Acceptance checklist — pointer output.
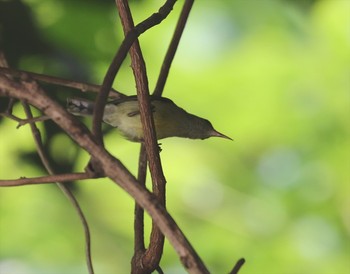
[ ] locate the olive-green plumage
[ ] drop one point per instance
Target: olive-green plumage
(169, 119)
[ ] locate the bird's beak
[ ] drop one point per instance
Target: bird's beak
(218, 134)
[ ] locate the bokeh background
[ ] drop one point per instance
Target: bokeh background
(273, 75)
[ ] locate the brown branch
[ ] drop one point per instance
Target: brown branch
(45, 160)
(8, 114)
(173, 47)
(118, 59)
(112, 167)
(84, 87)
(139, 239)
(139, 246)
(22, 122)
(151, 257)
(238, 266)
(50, 179)
(66, 191)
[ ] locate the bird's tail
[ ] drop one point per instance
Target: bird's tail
(80, 107)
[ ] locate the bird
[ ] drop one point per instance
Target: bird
(170, 120)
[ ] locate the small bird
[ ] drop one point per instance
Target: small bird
(169, 119)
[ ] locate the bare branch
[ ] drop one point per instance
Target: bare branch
(151, 257)
(66, 191)
(45, 160)
(173, 47)
(139, 246)
(84, 87)
(118, 59)
(22, 122)
(50, 179)
(238, 266)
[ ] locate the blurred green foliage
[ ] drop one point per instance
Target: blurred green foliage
(273, 75)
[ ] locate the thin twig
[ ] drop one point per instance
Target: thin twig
(139, 239)
(84, 87)
(159, 270)
(22, 122)
(139, 245)
(49, 179)
(67, 192)
(238, 266)
(163, 76)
